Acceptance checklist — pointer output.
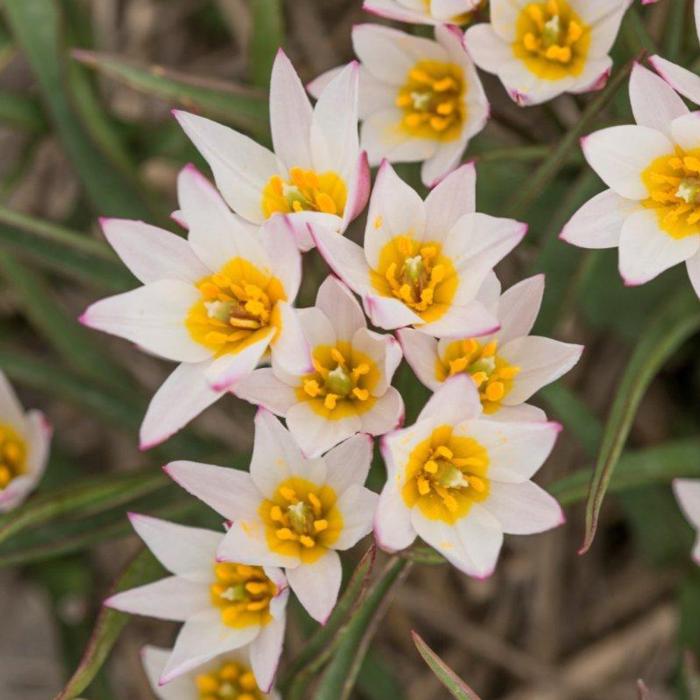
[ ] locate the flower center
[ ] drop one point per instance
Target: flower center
(551, 39)
(432, 100)
(446, 474)
(492, 374)
(233, 680)
(673, 183)
(417, 273)
(13, 455)
(301, 519)
(237, 305)
(306, 190)
(341, 383)
(243, 594)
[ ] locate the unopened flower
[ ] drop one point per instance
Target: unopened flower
(424, 262)
(316, 173)
(290, 511)
(349, 390)
(424, 11)
(459, 481)
(224, 606)
(420, 100)
(508, 366)
(652, 209)
(216, 302)
(544, 48)
(227, 677)
(24, 448)
(688, 494)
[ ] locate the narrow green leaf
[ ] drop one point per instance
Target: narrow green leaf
(237, 105)
(457, 687)
(636, 34)
(668, 330)
(21, 112)
(676, 23)
(268, 36)
(36, 26)
(340, 675)
(143, 569)
(421, 554)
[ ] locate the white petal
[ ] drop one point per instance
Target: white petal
(455, 401)
(541, 362)
(446, 158)
(246, 543)
(523, 509)
(263, 388)
(504, 17)
(646, 251)
(290, 115)
(152, 253)
(518, 308)
(605, 17)
(223, 372)
(152, 316)
(392, 520)
(594, 77)
(171, 598)
(688, 494)
(348, 463)
(317, 326)
(358, 190)
(449, 200)
(154, 661)
(276, 236)
(189, 552)
(391, 9)
(338, 304)
(389, 313)
(316, 434)
(619, 154)
(487, 49)
(357, 506)
(420, 351)
(289, 348)
(202, 638)
(265, 652)
(527, 89)
(179, 399)
(317, 585)
(654, 102)
(38, 432)
(387, 413)
(229, 492)
(215, 234)
(489, 293)
(680, 79)
(596, 11)
(516, 450)
(472, 544)
(686, 131)
(241, 167)
(518, 414)
(383, 350)
(470, 319)
(693, 267)
(598, 223)
(11, 410)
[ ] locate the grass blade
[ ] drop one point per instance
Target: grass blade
(21, 112)
(268, 36)
(675, 323)
(457, 687)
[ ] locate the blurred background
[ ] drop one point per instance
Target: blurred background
(86, 89)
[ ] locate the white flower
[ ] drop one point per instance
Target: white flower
(224, 606)
(507, 367)
(420, 100)
(25, 439)
(652, 209)
(681, 79)
(349, 390)
(316, 173)
(424, 262)
(459, 482)
(688, 494)
(216, 302)
(544, 48)
(424, 11)
(290, 511)
(226, 676)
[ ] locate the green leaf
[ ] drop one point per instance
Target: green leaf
(36, 26)
(457, 687)
(421, 554)
(340, 675)
(268, 36)
(21, 112)
(668, 330)
(676, 22)
(143, 569)
(239, 106)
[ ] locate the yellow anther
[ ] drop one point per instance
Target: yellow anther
(207, 683)
(307, 541)
(444, 451)
(312, 388)
(431, 466)
(458, 365)
(423, 486)
(495, 391)
(247, 681)
(360, 370)
(320, 525)
(284, 533)
(256, 587)
(446, 83)
(256, 605)
(489, 349)
(276, 514)
(360, 394)
(338, 356)
(330, 401)
(315, 502)
(288, 493)
(508, 372)
(229, 672)
(536, 14)
(479, 378)
(326, 204)
(477, 484)
(530, 42)
(245, 570)
(575, 31)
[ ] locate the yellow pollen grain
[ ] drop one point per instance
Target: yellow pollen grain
(431, 466)
(320, 525)
(288, 493)
(360, 394)
(284, 533)
(330, 401)
(307, 541)
(315, 503)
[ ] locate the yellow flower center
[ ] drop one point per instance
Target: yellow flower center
(242, 593)
(552, 40)
(233, 680)
(432, 100)
(417, 273)
(301, 519)
(13, 455)
(306, 190)
(445, 474)
(342, 382)
(238, 306)
(673, 182)
(492, 374)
